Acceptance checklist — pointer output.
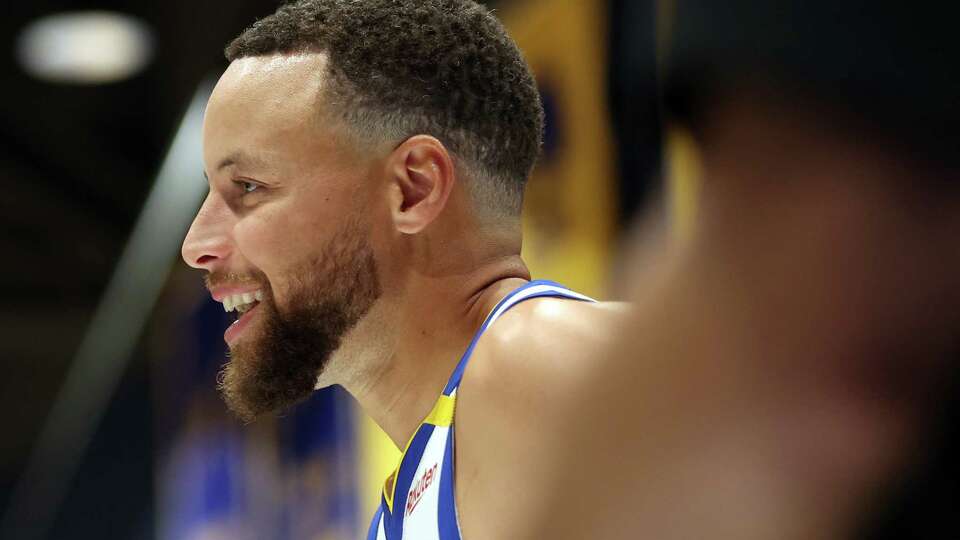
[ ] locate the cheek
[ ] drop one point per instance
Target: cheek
(266, 240)
(277, 239)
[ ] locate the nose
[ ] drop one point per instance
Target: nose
(208, 243)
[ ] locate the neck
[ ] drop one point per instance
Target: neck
(404, 352)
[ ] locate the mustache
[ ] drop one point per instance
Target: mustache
(216, 279)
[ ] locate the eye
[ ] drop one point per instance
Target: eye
(247, 187)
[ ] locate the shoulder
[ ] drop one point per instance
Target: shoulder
(538, 342)
(524, 365)
(541, 321)
(531, 358)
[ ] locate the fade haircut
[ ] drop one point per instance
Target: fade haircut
(398, 68)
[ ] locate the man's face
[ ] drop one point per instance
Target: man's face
(285, 230)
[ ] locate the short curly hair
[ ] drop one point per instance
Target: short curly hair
(398, 68)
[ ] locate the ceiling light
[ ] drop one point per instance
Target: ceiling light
(89, 47)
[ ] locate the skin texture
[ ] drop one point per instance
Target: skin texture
(525, 364)
(780, 366)
(439, 269)
(258, 139)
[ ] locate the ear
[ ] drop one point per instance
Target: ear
(422, 177)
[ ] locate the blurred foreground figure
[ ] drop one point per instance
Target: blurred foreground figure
(367, 162)
(785, 362)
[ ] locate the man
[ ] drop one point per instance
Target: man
(366, 163)
(784, 363)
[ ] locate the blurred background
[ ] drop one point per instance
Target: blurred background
(110, 346)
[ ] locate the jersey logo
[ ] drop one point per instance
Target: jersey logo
(425, 481)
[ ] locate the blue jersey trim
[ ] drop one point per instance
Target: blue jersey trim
(457, 375)
(404, 480)
(375, 526)
(447, 511)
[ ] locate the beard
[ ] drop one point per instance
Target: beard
(277, 364)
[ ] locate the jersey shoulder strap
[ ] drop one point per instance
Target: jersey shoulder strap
(535, 289)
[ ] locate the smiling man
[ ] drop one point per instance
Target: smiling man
(366, 163)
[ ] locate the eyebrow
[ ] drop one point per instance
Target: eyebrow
(236, 158)
(232, 159)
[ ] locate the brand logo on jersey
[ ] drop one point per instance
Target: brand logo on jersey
(425, 481)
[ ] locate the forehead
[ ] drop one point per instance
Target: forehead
(274, 80)
(264, 105)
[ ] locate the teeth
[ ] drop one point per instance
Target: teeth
(238, 301)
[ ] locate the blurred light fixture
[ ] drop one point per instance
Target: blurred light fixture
(87, 47)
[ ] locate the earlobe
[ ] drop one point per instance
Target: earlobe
(423, 175)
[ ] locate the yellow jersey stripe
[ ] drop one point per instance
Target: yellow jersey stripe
(441, 416)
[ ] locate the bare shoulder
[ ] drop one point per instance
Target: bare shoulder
(536, 351)
(523, 367)
(541, 322)
(542, 339)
